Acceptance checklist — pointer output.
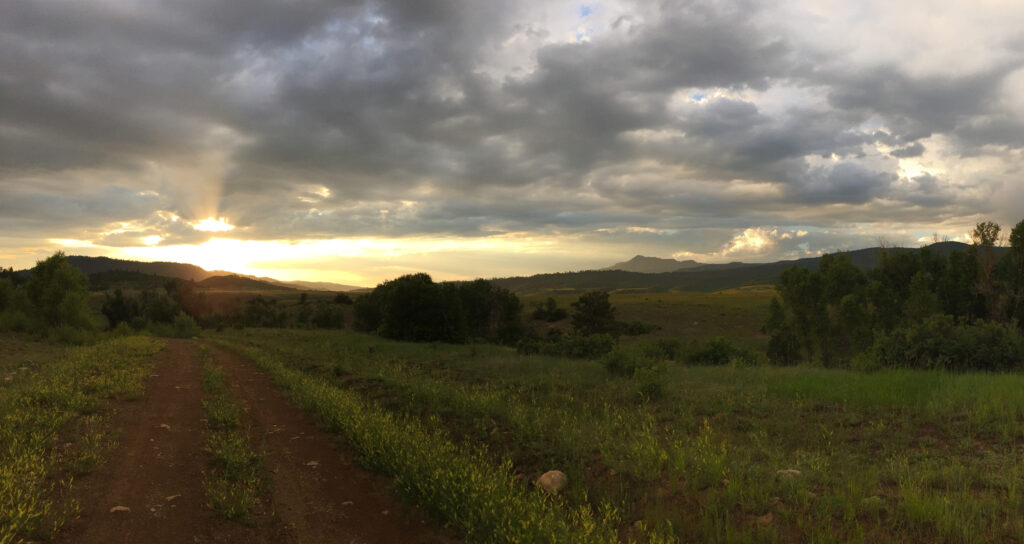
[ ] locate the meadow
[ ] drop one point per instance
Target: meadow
(723, 454)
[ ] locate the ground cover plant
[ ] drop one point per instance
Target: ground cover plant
(238, 477)
(727, 453)
(53, 427)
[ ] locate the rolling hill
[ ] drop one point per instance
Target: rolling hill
(699, 278)
(119, 272)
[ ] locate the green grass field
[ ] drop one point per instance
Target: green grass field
(737, 314)
(726, 454)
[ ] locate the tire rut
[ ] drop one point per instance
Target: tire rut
(319, 494)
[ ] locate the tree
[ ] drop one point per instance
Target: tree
(119, 308)
(6, 293)
(985, 238)
(593, 314)
(1014, 272)
(58, 293)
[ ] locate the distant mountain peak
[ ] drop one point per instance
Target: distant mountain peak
(653, 265)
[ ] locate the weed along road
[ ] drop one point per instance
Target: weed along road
(154, 486)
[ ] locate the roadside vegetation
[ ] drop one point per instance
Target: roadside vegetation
(238, 478)
(53, 427)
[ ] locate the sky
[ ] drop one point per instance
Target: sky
(357, 141)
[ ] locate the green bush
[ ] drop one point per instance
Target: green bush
(184, 326)
(619, 363)
(583, 346)
(940, 342)
(714, 352)
(649, 378)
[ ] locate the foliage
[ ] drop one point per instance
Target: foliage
(578, 346)
(549, 311)
(921, 309)
(58, 293)
(939, 342)
(6, 293)
(328, 316)
(414, 308)
(593, 314)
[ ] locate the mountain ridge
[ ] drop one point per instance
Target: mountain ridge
(190, 272)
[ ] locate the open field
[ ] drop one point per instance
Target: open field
(726, 454)
(737, 314)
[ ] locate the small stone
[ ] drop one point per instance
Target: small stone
(171, 497)
(313, 464)
(120, 509)
(347, 503)
(165, 426)
(765, 520)
(553, 481)
(788, 474)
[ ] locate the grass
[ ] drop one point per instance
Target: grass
(736, 313)
(724, 454)
(53, 425)
(238, 477)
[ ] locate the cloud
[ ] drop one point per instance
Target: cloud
(674, 124)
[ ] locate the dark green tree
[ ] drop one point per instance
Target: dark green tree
(119, 308)
(58, 293)
(593, 314)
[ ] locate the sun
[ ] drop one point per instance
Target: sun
(211, 224)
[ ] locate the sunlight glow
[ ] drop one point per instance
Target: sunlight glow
(211, 224)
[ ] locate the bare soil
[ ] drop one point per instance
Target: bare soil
(317, 494)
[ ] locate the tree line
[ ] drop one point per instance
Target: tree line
(918, 309)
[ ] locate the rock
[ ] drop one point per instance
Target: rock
(313, 464)
(788, 474)
(165, 426)
(765, 520)
(553, 481)
(171, 497)
(120, 509)
(347, 503)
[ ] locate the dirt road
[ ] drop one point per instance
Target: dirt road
(156, 472)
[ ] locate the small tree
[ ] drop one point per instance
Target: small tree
(58, 293)
(593, 314)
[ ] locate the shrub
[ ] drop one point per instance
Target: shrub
(328, 316)
(717, 351)
(619, 363)
(941, 342)
(649, 379)
(636, 328)
(184, 326)
(590, 346)
(664, 348)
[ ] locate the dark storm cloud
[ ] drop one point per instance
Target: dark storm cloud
(670, 112)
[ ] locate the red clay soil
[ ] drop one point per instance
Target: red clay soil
(317, 495)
